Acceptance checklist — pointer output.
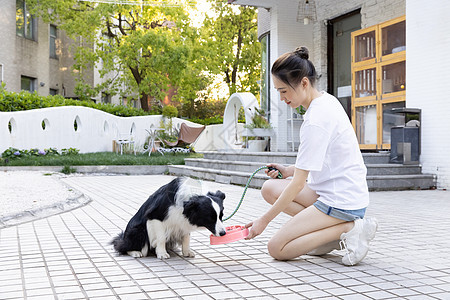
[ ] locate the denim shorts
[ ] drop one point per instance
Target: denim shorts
(342, 214)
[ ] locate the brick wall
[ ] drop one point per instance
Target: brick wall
(372, 12)
(24, 57)
(427, 75)
(7, 35)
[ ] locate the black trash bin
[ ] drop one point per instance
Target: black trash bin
(405, 139)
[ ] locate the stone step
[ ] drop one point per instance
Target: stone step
(220, 176)
(259, 157)
(374, 182)
(251, 166)
(401, 182)
(280, 157)
(376, 158)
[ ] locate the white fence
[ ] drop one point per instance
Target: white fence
(92, 130)
(87, 129)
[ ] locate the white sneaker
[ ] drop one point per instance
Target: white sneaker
(356, 241)
(324, 249)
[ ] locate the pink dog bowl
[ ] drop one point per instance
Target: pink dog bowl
(234, 233)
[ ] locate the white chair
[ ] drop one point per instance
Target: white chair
(152, 139)
(125, 139)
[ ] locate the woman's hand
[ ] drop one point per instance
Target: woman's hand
(257, 227)
(274, 173)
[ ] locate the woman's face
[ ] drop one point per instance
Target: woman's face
(294, 97)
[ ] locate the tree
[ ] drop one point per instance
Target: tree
(233, 50)
(193, 86)
(140, 47)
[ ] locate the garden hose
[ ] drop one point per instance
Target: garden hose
(246, 187)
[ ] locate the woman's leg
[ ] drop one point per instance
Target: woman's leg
(306, 231)
(273, 188)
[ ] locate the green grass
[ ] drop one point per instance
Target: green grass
(100, 158)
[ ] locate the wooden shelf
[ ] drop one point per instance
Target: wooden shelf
(378, 80)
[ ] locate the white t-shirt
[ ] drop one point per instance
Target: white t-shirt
(330, 151)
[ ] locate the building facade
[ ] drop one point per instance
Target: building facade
(34, 56)
(326, 28)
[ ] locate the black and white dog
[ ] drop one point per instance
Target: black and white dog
(168, 217)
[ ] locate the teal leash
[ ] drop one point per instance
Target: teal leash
(246, 187)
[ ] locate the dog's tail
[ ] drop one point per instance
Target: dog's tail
(119, 243)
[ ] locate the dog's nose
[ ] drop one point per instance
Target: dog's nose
(222, 233)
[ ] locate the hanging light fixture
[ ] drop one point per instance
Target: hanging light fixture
(306, 11)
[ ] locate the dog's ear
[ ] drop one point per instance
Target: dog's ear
(217, 194)
(190, 207)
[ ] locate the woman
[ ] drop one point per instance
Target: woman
(329, 209)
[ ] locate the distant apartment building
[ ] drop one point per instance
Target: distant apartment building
(36, 56)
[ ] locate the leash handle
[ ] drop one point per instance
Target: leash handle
(246, 187)
(279, 176)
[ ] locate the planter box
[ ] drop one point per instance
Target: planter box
(257, 145)
(258, 132)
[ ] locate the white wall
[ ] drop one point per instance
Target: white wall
(214, 138)
(95, 133)
(427, 76)
(286, 34)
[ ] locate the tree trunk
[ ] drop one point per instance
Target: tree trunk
(144, 96)
(144, 102)
(236, 62)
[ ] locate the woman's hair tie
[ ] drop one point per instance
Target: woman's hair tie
(302, 52)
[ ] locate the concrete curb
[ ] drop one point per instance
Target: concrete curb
(44, 211)
(116, 169)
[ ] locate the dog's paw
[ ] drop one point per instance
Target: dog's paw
(162, 255)
(135, 254)
(189, 253)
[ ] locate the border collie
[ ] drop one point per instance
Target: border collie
(168, 217)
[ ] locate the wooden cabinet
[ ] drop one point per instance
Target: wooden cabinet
(378, 81)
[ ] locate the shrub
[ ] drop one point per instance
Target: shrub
(68, 170)
(259, 120)
(13, 153)
(208, 121)
(10, 101)
(70, 151)
(170, 111)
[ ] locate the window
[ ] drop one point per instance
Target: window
(28, 84)
(25, 22)
(53, 92)
(106, 98)
(52, 38)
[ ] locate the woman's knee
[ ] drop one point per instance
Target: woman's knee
(268, 191)
(275, 248)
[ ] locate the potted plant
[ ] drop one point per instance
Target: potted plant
(258, 130)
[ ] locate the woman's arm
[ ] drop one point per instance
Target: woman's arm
(287, 196)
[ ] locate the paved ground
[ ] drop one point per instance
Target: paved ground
(67, 256)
